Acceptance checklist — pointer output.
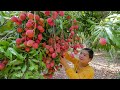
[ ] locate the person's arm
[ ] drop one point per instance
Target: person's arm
(69, 71)
(68, 57)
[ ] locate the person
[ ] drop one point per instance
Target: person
(82, 69)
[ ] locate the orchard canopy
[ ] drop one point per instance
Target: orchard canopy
(32, 42)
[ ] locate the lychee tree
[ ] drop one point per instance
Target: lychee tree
(106, 35)
(38, 42)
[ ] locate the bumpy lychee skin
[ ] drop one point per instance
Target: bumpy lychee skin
(51, 50)
(22, 16)
(30, 33)
(40, 37)
(54, 55)
(30, 43)
(102, 41)
(27, 49)
(30, 15)
(18, 41)
(47, 13)
(35, 46)
(61, 13)
(14, 19)
(2, 66)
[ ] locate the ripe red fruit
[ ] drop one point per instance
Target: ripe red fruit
(22, 16)
(18, 23)
(61, 13)
(48, 61)
(50, 41)
(27, 49)
(14, 19)
(68, 40)
(51, 24)
(75, 21)
(68, 17)
(29, 24)
(49, 20)
(54, 15)
(72, 33)
(62, 47)
(54, 55)
(19, 30)
(40, 37)
(58, 50)
(47, 46)
(37, 41)
(44, 44)
(47, 13)
(48, 66)
(42, 21)
(76, 26)
(27, 38)
(78, 45)
(25, 43)
(58, 45)
(41, 29)
(52, 63)
(30, 43)
(18, 41)
(2, 66)
(30, 20)
(30, 33)
(102, 41)
(30, 15)
(35, 46)
(71, 28)
(23, 39)
(51, 50)
(37, 17)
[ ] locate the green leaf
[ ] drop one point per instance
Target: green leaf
(4, 43)
(18, 74)
(42, 64)
(61, 26)
(32, 65)
(40, 56)
(2, 50)
(13, 51)
(15, 62)
(109, 32)
(35, 60)
(17, 68)
(24, 68)
(8, 54)
(2, 19)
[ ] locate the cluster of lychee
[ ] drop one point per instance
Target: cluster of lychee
(30, 28)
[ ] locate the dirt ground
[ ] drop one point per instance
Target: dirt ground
(104, 68)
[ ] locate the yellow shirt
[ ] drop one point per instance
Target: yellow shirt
(84, 73)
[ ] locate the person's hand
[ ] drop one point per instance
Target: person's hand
(62, 61)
